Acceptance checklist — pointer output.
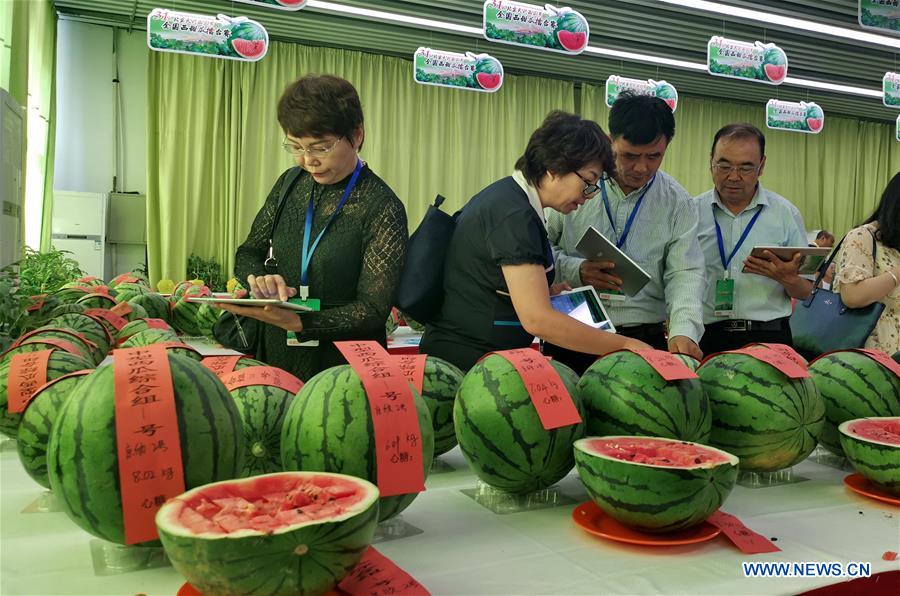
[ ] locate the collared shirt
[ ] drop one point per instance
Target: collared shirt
(532, 193)
(756, 298)
(662, 240)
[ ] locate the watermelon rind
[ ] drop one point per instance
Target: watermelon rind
(654, 498)
(877, 461)
(500, 433)
(308, 558)
(439, 386)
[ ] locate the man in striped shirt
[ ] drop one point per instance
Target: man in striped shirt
(653, 220)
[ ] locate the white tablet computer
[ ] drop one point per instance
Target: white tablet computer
(595, 246)
(584, 305)
(250, 302)
(813, 256)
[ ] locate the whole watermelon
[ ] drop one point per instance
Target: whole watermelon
(767, 419)
(148, 336)
(88, 327)
(623, 395)
(852, 385)
(500, 433)
(86, 348)
(82, 456)
(153, 304)
(136, 326)
(125, 292)
(97, 300)
(328, 428)
(439, 386)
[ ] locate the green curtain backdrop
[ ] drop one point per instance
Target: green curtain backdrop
(215, 143)
(835, 178)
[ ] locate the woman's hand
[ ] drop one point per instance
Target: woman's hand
(270, 286)
(287, 319)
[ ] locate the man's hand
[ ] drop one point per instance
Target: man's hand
(270, 286)
(273, 315)
(595, 273)
(680, 344)
(771, 266)
(557, 289)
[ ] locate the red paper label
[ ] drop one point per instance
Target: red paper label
(262, 375)
(56, 343)
(37, 302)
(122, 309)
(87, 279)
(221, 364)
(376, 575)
(157, 324)
(99, 290)
(743, 537)
(128, 279)
(786, 351)
(787, 366)
(669, 367)
(413, 368)
(889, 555)
(548, 393)
(149, 449)
(398, 439)
(27, 373)
(883, 359)
(109, 316)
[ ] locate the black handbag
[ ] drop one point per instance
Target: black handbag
(240, 333)
(420, 292)
(823, 323)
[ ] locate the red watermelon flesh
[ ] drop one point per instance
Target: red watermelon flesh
(658, 452)
(249, 48)
(814, 124)
(671, 103)
(775, 72)
(572, 40)
(882, 430)
(290, 2)
(488, 80)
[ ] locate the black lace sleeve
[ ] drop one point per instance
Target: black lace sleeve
(384, 252)
(251, 254)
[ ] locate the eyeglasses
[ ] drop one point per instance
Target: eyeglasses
(589, 189)
(726, 170)
(294, 149)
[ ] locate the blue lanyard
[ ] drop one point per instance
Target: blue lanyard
(307, 226)
(621, 241)
(727, 262)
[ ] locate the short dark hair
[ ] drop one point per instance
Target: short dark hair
(888, 214)
(740, 131)
(320, 104)
(641, 119)
(565, 143)
(824, 234)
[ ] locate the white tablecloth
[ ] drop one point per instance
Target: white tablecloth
(467, 549)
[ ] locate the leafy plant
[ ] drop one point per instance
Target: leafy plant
(208, 270)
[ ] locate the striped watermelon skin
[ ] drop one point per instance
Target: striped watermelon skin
(82, 456)
(97, 301)
(127, 291)
(148, 337)
(273, 563)
(769, 421)
(654, 499)
(207, 315)
(328, 428)
(623, 395)
(439, 386)
(136, 326)
(61, 363)
(852, 385)
(72, 295)
(88, 349)
(89, 327)
(185, 317)
(37, 420)
(154, 305)
(878, 462)
(262, 409)
(501, 435)
(64, 309)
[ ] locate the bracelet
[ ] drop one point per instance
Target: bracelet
(896, 281)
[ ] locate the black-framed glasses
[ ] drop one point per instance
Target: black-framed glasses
(590, 189)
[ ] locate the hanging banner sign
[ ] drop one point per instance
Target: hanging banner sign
(890, 85)
(616, 85)
(545, 28)
(805, 116)
(883, 15)
(757, 61)
(279, 4)
(232, 38)
(475, 72)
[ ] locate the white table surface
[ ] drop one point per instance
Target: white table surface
(467, 549)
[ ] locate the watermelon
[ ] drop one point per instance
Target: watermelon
(439, 386)
(38, 419)
(572, 41)
(768, 420)
(72, 294)
(852, 385)
(287, 533)
(97, 300)
(153, 304)
(131, 277)
(488, 72)
(88, 327)
(251, 49)
(873, 447)
(655, 484)
(148, 337)
(60, 363)
(64, 309)
(194, 318)
(775, 72)
(262, 408)
(243, 362)
(328, 428)
(87, 280)
(571, 30)
(815, 124)
(623, 395)
(689, 361)
(82, 456)
(127, 291)
(500, 433)
(88, 349)
(138, 325)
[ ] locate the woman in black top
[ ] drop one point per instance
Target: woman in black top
(499, 270)
(354, 269)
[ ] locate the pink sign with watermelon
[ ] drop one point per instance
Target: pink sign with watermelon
(279, 4)
(616, 85)
(804, 116)
(475, 72)
(543, 27)
(231, 38)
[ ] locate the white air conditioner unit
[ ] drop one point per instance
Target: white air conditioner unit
(12, 182)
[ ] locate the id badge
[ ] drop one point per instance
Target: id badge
(315, 305)
(611, 296)
(724, 306)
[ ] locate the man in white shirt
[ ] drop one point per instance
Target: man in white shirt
(748, 299)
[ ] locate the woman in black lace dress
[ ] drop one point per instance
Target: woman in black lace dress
(354, 241)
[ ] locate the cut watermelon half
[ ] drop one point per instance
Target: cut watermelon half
(250, 49)
(815, 124)
(572, 41)
(290, 2)
(775, 72)
(285, 533)
(873, 447)
(488, 81)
